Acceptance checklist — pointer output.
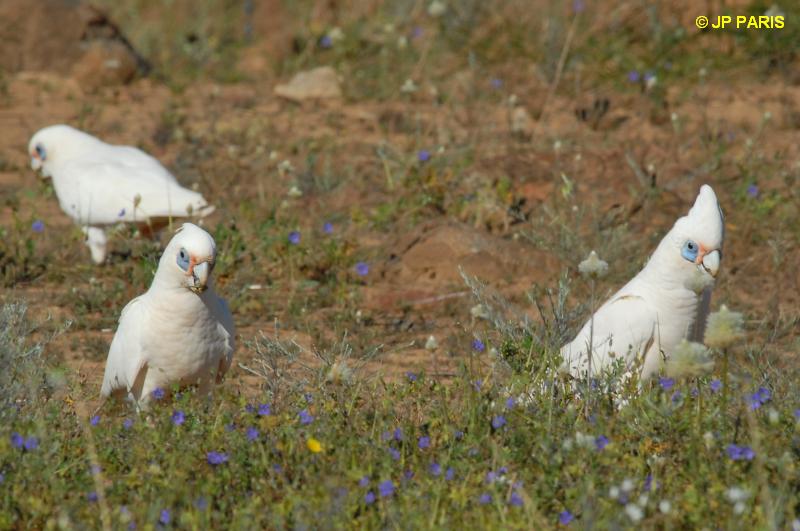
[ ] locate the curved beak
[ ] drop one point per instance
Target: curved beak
(199, 274)
(711, 262)
(36, 162)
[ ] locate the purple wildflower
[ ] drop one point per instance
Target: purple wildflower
(411, 376)
(424, 155)
(165, 517)
(305, 417)
(498, 421)
(127, 424)
(666, 383)
(449, 474)
(565, 517)
(94, 421)
(92, 497)
(216, 458)
(436, 469)
(398, 434)
(600, 442)
(178, 417)
(394, 453)
(252, 433)
(578, 6)
(157, 394)
(497, 83)
(325, 41)
(17, 441)
(408, 474)
(327, 228)
(424, 442)
(294, 237)
(37, 226)
(201, 504)
(510, 402)
(676, 397)
(95, 469)
(478, 384)
(649, 75)
(633, 76)
(363, 482)
(485, 498)
(715, 385)
(797, 414)
(31, 443)
(369, 498)
(264, 410)
(648, 482)
(386, 488)
(738, 453)
(458, 435)
(362, 269)
(477, 345)
(121, 213)
(764, 395)
(515, 500)
(752, 191)
(491, 476)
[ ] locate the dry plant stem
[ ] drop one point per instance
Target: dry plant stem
(725, 362)
(761, 477)
(562, 60)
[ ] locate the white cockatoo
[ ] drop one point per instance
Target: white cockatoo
(179, 332)
(668, 300)
(99, 184)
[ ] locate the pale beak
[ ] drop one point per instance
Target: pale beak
(199, 276)
(711, 263)
(36, 162)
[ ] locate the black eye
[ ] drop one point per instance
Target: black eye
(40, 151)
(690, 245)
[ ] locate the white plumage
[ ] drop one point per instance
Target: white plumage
(666, 302)
(99, 184)
(179, 332)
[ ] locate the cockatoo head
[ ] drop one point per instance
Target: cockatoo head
(189, 259)
(57, 143)
(694, 245)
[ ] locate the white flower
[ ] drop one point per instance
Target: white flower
(437, 8)
(664, 506)
(566, 445)
(643, 499)
(724, 328)
(402, 42)
(336, 34)
(688, 359)
(708, 440)
(627, 485)
(613, 492)
(736, 494)
(593, 267)
(339, 372)
(409, 87)
(479, 312)
(739, 507)
(431, 343)
(698, 281)
(285, 166)
(295, 192)
(773, 416)
(634, 512)
(584, 441)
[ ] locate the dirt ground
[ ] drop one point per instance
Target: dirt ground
(496, 193)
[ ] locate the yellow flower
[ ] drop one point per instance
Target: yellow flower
(314, 445)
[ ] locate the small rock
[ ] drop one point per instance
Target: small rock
(315, 84)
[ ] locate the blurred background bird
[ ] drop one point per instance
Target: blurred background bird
(100, 185)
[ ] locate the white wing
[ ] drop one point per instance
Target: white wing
(135, 158)
(624, 328)
(108, 193)
(125, 357)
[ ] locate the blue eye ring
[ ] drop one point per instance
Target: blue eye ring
(689, 250)
(183, 259)
(41, 151)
